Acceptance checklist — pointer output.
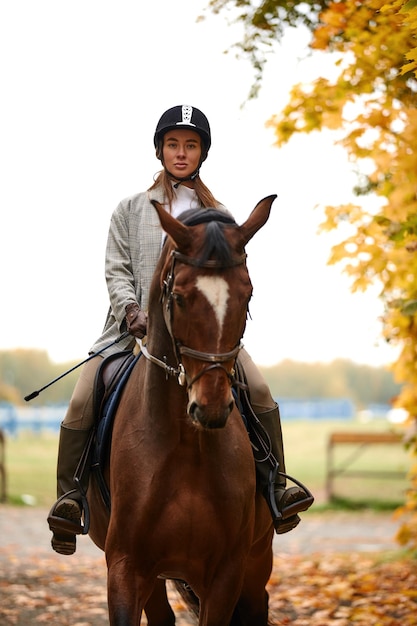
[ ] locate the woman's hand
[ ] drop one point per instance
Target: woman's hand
(136, 320)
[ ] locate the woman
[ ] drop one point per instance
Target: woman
(182, 140)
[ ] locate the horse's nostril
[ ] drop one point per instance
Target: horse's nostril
(193, 410)
(209, 419)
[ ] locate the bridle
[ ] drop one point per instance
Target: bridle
(214, 360)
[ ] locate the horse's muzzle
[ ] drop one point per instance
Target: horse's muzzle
(207, 418)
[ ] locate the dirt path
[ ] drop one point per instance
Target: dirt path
(25, 529)
(317, 579)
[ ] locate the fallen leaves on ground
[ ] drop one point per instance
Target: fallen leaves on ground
(343, 589)
(318, 590)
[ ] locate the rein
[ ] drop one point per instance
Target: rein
(169, 370)
(215, 360)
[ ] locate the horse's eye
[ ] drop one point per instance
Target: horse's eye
(179, 299)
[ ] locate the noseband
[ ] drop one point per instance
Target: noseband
(214, 360)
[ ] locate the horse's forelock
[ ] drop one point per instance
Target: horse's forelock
(215, 243)
(193, 217)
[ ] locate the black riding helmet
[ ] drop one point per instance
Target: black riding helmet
(184, 116)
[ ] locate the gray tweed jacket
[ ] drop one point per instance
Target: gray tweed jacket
(133, 248)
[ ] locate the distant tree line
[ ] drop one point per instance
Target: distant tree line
(23, 371)
(342, 378)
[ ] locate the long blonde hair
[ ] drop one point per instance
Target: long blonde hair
(204, 194)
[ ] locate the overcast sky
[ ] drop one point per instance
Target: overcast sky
(83, 85)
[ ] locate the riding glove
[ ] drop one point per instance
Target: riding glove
(136, 320)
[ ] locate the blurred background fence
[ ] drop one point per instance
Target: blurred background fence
(14, 419)
(36, 419)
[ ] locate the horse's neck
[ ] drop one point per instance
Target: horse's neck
(159, 342)
(160, 346)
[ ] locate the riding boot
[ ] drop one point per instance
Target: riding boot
(284, 503)
(64, 518)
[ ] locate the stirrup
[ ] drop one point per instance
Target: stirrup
(292, 509)
(292, 501)
(288, 518)
(64, 521)
(62, 526)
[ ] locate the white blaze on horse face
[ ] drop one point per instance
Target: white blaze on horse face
(216, 290)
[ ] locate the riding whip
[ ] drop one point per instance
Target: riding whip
(35, 394)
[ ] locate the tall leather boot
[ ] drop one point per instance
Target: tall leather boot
(284, 504)
(64, 518)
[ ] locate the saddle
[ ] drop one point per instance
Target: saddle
(108, 376)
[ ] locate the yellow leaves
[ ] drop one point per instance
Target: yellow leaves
(406, 532)
(332, 23)
(31, 592)
(412, 58)
(361, 28)
(372, 104)
(343, 589)
(376, 42)
(321, 38)
(352, 213)
(313, 590)
(312, 107)
(332, 119)
(409, 5)
(334, 215)
(409, 11)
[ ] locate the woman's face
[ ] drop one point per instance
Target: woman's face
(181, 152)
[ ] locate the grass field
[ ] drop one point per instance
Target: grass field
(31, 464)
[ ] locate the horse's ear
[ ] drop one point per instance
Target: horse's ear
(175, 229)
(256, 219)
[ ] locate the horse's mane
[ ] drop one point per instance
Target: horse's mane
(216, 245)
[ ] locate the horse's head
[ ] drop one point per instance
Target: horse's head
(205, 294)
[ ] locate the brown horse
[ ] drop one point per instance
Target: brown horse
(182, 480)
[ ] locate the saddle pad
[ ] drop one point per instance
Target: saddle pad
(104, 425)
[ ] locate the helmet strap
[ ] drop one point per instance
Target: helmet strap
(182, 180)
(192, 176)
